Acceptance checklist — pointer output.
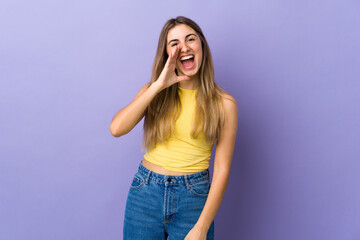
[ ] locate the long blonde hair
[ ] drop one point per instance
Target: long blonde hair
(165, 108)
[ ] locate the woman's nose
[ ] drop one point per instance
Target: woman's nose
(184, 47)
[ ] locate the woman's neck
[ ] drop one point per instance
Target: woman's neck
(192, 84)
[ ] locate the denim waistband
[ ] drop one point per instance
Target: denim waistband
(174, 179)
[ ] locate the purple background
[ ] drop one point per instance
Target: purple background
(67, 67)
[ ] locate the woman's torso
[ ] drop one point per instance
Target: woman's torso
(176, 144)
(158, 169)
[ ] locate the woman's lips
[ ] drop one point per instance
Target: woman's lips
(188, 64)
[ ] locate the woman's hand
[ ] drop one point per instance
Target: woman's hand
(196, 234)
(168, 76)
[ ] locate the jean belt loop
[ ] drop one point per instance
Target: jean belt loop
(187, 182)
(147, 177)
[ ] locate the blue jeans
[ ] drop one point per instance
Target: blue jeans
(164, 206)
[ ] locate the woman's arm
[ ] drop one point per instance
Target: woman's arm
(222, 163)
(128, 117)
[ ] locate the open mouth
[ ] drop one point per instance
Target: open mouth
(188, 62)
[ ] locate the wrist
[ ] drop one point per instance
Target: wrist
(155, 85)
(202, 226)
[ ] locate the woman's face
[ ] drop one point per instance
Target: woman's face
(190, 45)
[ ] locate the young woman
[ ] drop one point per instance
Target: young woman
(185, 112)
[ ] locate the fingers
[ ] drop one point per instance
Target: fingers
(169, 59)
(173, 56)
(178, 49)
(182, 78)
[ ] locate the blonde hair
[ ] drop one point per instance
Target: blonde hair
(165, 108)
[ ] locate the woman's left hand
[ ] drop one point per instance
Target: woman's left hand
(196, 234)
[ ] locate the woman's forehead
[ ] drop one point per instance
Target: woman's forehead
(179, 31)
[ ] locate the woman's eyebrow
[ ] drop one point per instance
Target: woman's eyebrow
(185, 37)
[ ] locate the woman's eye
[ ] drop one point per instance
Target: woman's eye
(173, 44)
(192, 39)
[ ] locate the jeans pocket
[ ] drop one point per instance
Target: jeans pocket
(201, 188)
(137, 182)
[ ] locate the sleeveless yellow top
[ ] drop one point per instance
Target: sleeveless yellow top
(180, 152)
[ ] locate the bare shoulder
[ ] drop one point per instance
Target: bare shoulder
(228, 100)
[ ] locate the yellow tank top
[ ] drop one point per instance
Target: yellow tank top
(181, 152)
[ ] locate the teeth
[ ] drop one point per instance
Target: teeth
(187, 57)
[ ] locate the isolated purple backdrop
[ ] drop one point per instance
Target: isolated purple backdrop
(67, 67)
